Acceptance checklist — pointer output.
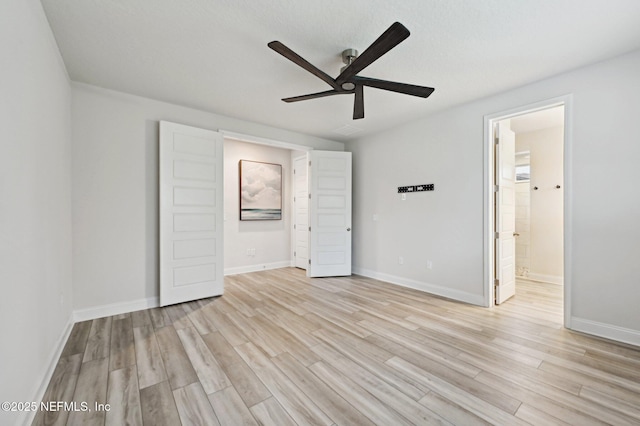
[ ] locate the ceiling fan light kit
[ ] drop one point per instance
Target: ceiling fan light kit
(349, 81)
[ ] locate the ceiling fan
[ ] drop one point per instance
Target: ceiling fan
(348, 81)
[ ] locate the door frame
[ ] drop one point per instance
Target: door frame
(258, 140)
(489, 182)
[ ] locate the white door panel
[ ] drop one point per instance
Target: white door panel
(301, 207)
(191, 213)
(329, 214)
(505, 214)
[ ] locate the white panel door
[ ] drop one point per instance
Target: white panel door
(301, 211)
(505, 214)
(191, 213)
(329, 214)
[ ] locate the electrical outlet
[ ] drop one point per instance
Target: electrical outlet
(400, 260)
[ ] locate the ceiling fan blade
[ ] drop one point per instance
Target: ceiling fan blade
(395, 34)
(315, 95)
(407, 89)
(300, 61)
(358, 104)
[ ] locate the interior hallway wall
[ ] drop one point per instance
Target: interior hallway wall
(35, 205)
(271, 239)
(546, 202)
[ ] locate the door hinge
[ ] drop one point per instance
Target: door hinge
(497, 282)
(309, 195)
(294, 254)
(294, 226)
(496, 235)
(294, 171)
(309, 163)
(309, 229)
(309, 261)
(496, 188)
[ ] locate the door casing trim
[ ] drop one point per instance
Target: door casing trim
(488, 184)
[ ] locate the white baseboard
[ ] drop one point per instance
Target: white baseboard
(608, 331)
(551, 279)
(474, 299)
(28, 416)
(258, 267)
(115, 309)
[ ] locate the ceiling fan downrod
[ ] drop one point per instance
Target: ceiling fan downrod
(348, 56)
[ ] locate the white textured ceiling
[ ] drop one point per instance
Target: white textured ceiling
(213, 54)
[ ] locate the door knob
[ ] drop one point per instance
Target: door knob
(348, 229)
(515, 234)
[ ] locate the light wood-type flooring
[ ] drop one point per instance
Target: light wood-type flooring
(281, 349)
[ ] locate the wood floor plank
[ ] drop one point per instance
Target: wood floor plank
(299, 406)
(270, 413)
(332, 404)
(254, 334)
(194, 407)
(179, 317)
(123, 397)
(247, 383)
(122, 349)
(176, 362)
(158, 405)
(150, 366)
(534, 416)
(141, 318)
(98, 343)
(362, 359)
(91, 389)
(204, 363)
(393, 397)
(230, 408)
(225, 326)
(201, 322)
(221, 349)
(451, 411)
(77, 341)
(477, 406)
(159, 318)
(363, 401)
(61, 388)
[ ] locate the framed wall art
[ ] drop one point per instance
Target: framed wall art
(260, 190)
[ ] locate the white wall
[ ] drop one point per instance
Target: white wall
(271, 239)
(546, 203)
(35, 204)
(523, 228)
(446, 225)
(115, 194)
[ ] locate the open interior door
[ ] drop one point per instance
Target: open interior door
(329, 176)
(191, 213)
(505, 212)
(301, 212)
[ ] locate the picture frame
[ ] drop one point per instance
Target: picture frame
(260, 190)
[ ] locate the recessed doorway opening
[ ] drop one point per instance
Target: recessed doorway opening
(527, 153)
